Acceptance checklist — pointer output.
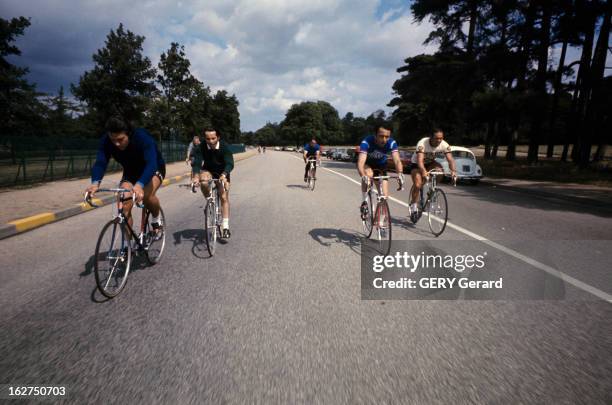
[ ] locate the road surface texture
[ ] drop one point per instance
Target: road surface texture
(276, 316)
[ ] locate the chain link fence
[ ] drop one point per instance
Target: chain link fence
(28, 160)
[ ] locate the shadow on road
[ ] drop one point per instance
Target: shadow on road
(328, 236)
(406, 224)
(525, 199)
(197, 238)
(301, 186)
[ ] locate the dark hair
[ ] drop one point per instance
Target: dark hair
(436, 130)
(210, 129)
(116, 124)
(383, 126)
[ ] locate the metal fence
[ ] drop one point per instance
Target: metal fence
(27, 160)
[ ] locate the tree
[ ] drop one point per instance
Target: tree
(225, 117)
(178, 88)
(21, 112)
(121, 81)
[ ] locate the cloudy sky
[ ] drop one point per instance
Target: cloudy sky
(270, 53)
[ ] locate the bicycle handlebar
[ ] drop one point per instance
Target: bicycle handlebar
(401, 187)
(89, 201)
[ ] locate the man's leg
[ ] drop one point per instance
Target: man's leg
(127, 202)
(306, 170)
(364, 194)
(417, 181)
(150, 198)
(225, 209)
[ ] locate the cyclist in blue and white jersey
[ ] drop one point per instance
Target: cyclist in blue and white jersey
(372, 161)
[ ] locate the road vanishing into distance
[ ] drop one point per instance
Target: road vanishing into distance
(277, 316)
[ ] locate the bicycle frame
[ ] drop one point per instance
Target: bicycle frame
(120, 216)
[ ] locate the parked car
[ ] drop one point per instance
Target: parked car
(330, 153)
(405, 157)
(289, 149)
(277, 148)
(341, 154)
(465, 162)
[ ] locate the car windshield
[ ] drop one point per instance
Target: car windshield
(462, 154)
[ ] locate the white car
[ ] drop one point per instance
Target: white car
(277, 148)
(465, 162)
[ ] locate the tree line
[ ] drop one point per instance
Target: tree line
(318, 119)
(168, 99)
(492, 79)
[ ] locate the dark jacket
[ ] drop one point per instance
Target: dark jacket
(217, 160)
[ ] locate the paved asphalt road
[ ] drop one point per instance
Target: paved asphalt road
(277, 317)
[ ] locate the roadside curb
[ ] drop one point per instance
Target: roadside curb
(35, 221)
(548, 194)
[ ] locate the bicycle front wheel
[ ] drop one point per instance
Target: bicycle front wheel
(210, 226)
(311, 177)
(382, 222)
(437, 212)
(368, 220)
(113, 258)
(155, 242)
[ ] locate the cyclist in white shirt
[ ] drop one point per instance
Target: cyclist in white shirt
(424, 159)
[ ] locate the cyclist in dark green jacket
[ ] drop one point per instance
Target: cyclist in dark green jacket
(218, 164)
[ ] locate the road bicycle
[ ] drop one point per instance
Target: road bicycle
(213, 218)
(380, 217)
(117, 240)
(312, 171)
(433, 201)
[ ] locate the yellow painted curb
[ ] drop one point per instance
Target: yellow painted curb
(166, 182)
(33, 221)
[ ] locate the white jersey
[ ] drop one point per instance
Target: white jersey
(429, 151)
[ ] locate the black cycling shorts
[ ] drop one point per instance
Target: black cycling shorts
(132, 177)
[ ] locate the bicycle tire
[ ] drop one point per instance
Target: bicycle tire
(210, 227)
(311, 174)
(435, 203)
(100, 257)
(153, 258)
(368, 224)
(383, 226)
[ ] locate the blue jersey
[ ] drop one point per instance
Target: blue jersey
(377, 155)
(312, 150)
(140, 159)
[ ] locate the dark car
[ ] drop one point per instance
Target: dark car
(405, 157)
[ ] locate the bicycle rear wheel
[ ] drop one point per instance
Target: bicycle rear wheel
(155, 243)
(437, 212)
(210, 226)
(112, 259)
(382, 222)
(368, 222)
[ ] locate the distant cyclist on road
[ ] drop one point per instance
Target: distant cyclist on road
(194, 158)
(311, 150)
(424, 160)
(218, 164)
(372, 161)
(143, 166)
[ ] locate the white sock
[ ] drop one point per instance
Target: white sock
(364, 195)
(157, 219)
(225, 224)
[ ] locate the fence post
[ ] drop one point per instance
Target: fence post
(23, 161)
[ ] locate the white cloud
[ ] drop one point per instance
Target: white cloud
(270, 53)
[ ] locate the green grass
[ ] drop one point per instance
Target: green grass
(565, 172)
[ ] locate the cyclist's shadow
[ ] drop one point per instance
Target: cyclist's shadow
(197, 237)
(327, 236)
(409, 226)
